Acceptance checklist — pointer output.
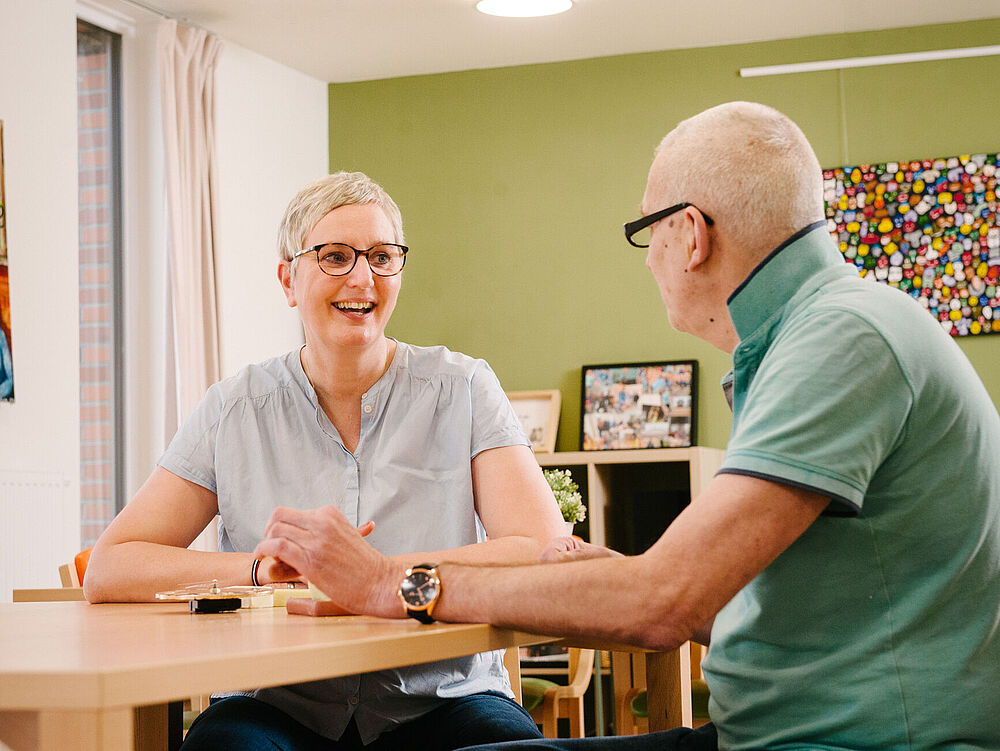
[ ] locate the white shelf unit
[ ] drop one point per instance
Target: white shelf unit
(611, 476)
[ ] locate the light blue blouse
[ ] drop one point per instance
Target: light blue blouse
(260, 440)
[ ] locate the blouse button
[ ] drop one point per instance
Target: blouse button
(367, 409)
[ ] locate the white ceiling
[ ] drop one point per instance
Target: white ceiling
(355, 40)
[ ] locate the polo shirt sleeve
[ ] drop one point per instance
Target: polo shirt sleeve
(828, 403)
(191, 453)
(494, 422)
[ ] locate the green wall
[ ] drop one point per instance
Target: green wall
(514, 184)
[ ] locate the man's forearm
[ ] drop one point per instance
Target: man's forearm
(608, 599)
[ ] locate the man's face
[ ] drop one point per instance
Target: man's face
(665, 258)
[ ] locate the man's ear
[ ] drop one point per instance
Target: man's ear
(286, 279)
(699, 249)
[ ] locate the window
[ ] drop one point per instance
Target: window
(101, 357)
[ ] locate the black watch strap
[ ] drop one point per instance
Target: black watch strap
(421, 615)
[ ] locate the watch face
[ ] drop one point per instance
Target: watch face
(418, 589)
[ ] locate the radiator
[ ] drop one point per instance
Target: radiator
(39, 529)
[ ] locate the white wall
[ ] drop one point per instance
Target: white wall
(272, 138)
(272, 135)
(39, 432)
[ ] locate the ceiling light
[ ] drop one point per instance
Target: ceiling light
(523, 8)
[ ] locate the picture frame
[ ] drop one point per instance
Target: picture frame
(6, 340)
(639, 405)
(538, 412)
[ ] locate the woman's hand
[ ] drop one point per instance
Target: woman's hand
(321, 546)
(570, 548)
(271, 570)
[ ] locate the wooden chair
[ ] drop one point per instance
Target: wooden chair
(546, 701)
(71, 574)
(512, 661)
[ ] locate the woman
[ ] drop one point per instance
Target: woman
(422, 441)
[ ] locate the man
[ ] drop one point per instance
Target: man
(846, 558)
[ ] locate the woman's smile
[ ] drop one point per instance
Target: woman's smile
(355, 308)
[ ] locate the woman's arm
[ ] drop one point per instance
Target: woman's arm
(144, 550)
(512, 498)
(516, 506)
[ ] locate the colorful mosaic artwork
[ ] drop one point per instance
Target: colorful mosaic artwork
(929, 228)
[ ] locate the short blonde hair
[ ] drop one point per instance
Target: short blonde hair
(746, 165)
(320, 197)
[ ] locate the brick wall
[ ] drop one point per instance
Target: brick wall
(97, 294)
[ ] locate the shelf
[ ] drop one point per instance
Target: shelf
(627, 456)
(613, 479)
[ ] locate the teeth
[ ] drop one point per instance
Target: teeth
(353, 305)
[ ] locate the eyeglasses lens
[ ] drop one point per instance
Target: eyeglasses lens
(337, 259)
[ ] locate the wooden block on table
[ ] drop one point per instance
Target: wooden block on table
(284, 594)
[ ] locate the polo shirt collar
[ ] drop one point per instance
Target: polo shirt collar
(785, 273)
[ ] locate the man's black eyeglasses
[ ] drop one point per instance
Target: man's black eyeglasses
(633, 228)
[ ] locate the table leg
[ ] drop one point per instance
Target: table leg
(621, 682)
(57, 730)
(154, 730)
(668, 683)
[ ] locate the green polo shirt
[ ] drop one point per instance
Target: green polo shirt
(879, 628)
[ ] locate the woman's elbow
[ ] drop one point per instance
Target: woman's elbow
(96, 584)
(92, 592)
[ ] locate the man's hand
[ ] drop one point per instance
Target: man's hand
(274, 570)
(569, 548)
(321, 546)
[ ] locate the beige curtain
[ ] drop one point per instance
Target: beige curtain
(186, 60)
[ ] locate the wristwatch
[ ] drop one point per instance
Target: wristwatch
(420, 591)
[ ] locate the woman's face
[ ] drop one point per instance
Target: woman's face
(350, 310)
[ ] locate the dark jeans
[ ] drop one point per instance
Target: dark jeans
(678, 739)
(244, 724)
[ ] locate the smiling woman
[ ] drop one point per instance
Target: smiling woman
(345, 302)
(419, 440)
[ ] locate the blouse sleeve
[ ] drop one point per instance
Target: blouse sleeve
(191, 453)
(494, 422)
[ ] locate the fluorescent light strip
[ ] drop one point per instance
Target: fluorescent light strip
(863, 62)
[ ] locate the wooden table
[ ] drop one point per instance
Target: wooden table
(666, 676)
(81, 676)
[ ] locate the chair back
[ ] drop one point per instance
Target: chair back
(71, 574)
(80, 561)
(512, 661)
(561, 701)
(581, 669)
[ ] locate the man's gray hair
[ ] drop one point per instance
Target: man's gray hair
(322, 196)
(747, 166)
